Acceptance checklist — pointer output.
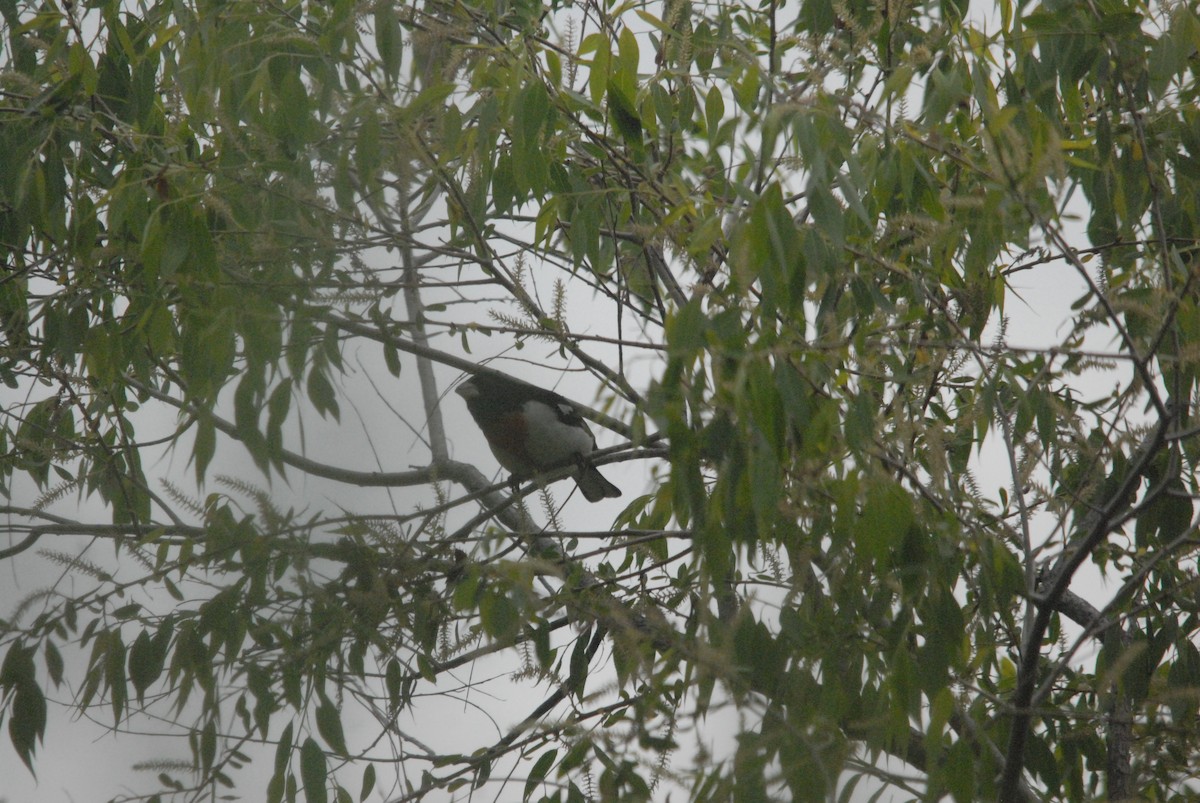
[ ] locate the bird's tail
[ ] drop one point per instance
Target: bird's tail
(593, 484)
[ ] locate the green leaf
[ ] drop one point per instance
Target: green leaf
(537, 773)
(322, 394)
(394, 680)
(283, 756)
(54, 663)
(368, 782)
(278, 405)
(504, 183)
(176, 248)
(329, 725)
(499, 616)
(1167, 517)
(577, 677)
(828, 215)
(208, 745)
(887, 513)
(313, 771)
(27, 721)
(530, 165)
(1115, 22)
(204, 446)
(714, 112)
(147, 657)
(1183, 678)
(389, 40)
(944, 629)
(941, 708)
(628, 59)
(625, 117)
(959, 772)
(686, 328)
(758, 655)
(368, 153)
(391, 358)
(598, 74)
(27, 713)
(114, 674)
(767, 249)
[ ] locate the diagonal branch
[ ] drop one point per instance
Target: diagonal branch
(1053, 588)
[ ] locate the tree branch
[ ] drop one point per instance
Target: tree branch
(1095, 528)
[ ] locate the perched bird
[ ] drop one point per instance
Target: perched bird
(531, 430)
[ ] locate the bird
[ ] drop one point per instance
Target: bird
(530, 430)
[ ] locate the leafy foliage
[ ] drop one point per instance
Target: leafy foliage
(797, 251)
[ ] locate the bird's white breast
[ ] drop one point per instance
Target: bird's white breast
(550, 441)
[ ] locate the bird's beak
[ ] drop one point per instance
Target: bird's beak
(467, 390)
